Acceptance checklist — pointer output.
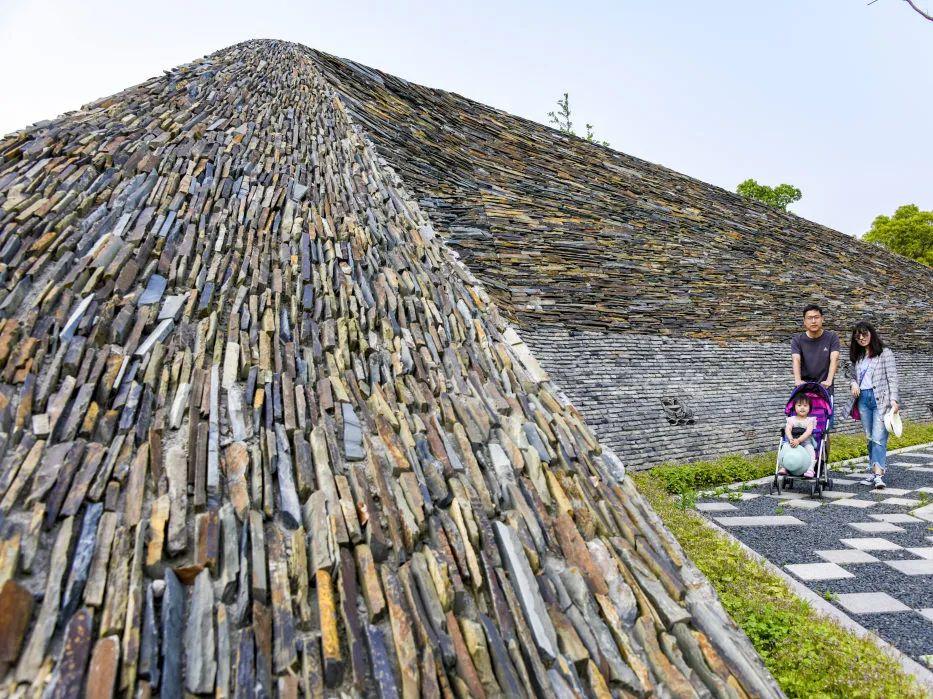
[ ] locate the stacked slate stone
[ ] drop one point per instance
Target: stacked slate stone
(569, 234)
(263, 433)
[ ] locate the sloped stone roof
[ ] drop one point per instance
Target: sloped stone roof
(569, 233)
(261, 430)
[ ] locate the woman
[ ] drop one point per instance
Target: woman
(874, 387)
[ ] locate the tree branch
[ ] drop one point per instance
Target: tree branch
(918, 10)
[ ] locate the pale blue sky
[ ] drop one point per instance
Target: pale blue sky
(834, 96)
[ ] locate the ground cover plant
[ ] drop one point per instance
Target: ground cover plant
(809, 655)
(680, 479)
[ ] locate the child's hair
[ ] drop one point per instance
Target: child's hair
(802, 398)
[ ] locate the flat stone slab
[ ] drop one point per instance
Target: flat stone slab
(844, 481)
(897, 492)
(923, 551)
(819, 571)
(837, 495)
(788, 495)
(871, 544)
(928, 613)
(716, 507)
(760, 521)
(897, 518)
(876, 527)
(847, 556)
(924, 469)
(804, 504)
(919, 566)
(742, 497)
(925, 512)
(905, 502)
(871, 603)
(852, 502)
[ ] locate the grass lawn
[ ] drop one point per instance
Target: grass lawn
(682, 478)
(809, 655)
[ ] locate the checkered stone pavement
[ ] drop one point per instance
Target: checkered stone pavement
(870, 552)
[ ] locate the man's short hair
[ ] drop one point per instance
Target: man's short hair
(812, 307)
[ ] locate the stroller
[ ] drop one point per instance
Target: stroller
(821, 407)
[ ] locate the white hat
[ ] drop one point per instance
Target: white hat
(892, 423)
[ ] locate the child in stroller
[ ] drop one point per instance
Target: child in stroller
(802, 450)
(798, 452)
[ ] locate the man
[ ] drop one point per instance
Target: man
(815, 355)
(815, 352)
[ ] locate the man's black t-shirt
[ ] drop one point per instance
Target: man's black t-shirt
(814, 354)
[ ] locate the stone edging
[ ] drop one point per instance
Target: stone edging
(923, 676)
(863, 459)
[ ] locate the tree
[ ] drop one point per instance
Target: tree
(909, 233)
(563, 122)
(780, 196)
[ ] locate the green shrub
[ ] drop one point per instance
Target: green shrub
(809, 655)
(681, 478)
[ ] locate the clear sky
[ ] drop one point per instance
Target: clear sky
(833, 96)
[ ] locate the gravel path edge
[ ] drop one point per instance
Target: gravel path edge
(923, 676)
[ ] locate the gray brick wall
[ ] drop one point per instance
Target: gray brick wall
(736, 393)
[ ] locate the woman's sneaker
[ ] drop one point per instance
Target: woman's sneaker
(879, 484)
(869, 479)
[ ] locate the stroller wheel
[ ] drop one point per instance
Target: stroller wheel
(813, 488)
(819, 488)
(788, 482)
(778, 482)
(829, 484)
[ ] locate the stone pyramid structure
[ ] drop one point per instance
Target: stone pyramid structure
(262, 433)
(663, 305)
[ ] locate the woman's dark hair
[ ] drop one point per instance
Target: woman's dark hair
(875, 345)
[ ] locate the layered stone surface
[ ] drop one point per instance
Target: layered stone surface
(262, 432)
(664, 305)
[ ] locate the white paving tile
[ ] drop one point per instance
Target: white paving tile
(925, 490)
(716, 507)
(847, 556)
(928, 613)
(905, 502)
(898, 518)
(803, 504)
(925, 512)
(819, 571)
(741, 496)
(844, 481)
(875, 527)
(852, 502)
(871, 603)
(922, 551)
(760, 521)
(837, 495)
(920, 566)
(871, 544)
(922, 469)
(892, 491)
(788, 495)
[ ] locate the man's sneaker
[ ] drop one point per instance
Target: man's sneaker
(879, 484)
(868, 480)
